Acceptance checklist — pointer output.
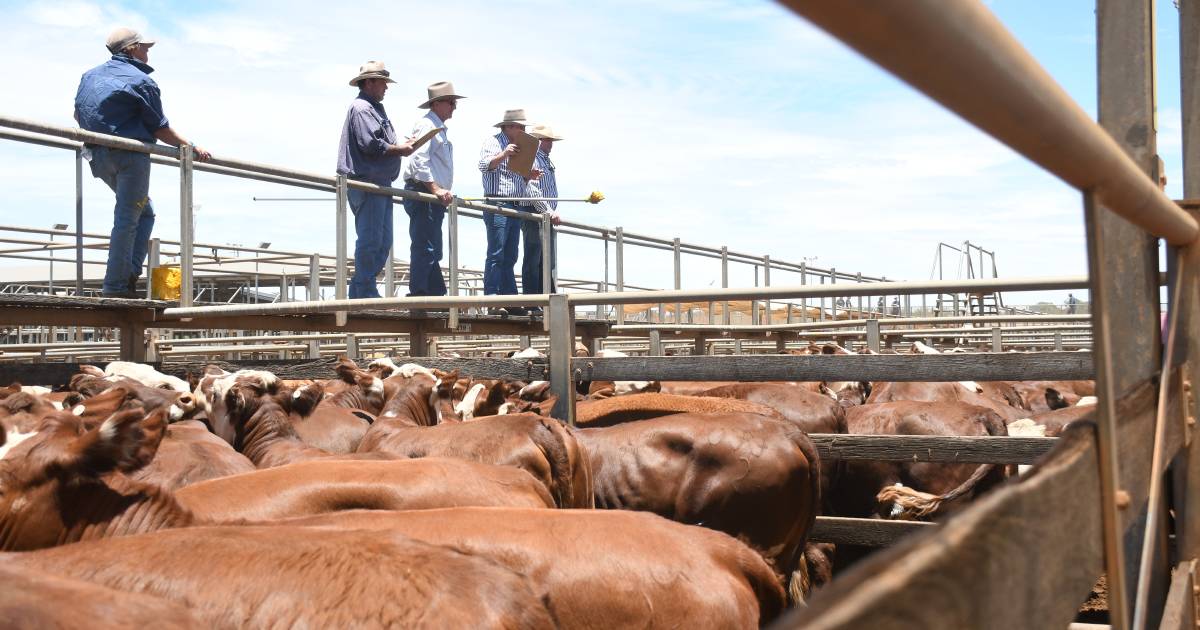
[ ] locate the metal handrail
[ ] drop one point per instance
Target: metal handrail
(73, 139)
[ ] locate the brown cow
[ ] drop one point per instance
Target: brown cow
(751, 476)
(604, 569)
(189, 453)
(325, 423)
(1042, 396)
(965, 392)
(59, 492)
(915, 489)
(812, 413)
(282, 576)
(630, 407)
(37, 599)
(540, 446)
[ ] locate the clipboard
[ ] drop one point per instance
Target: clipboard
(419, 142)
(522, 162)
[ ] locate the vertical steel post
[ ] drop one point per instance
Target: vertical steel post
(803, 300)
(620, 246)
(754, 319)
(656, 349)
(677, 263)
(1123, 268)
(186, 225)
(767, 283)
(562, 345)
(452, 228)
(997, 340)
(1187, 473)
(725, 283)
(314, 278)
(873, 335)
(858, 280)
(339, 287)
(1058, 340)
(389, 272)
(546, 234)
(283, 287)
(699, 346)
(152, 262)
(352, 345)
(79, 222)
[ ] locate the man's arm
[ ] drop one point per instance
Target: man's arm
(419, 161)
(172, 137)
(491, 155)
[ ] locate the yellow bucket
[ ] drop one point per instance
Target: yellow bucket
(165, 282)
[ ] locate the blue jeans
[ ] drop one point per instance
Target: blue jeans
(503, 233)
(127, 173)
(373, 224)
(531, 258)
(425, 245)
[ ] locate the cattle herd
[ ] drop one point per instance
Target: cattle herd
(406, 497)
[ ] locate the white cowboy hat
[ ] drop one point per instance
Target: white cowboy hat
(440, 90)
(371, 70)
(513, 117)
(544, 132)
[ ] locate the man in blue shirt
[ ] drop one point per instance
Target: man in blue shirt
(368, 152)
(119, 98)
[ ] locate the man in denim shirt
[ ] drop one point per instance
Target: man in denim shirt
(368, 152)
(119, 98)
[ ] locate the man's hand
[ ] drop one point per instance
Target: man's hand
(405, 149)
(510, 150)
(534, 174)
(554, 218)
(200, 153)
(443, 195)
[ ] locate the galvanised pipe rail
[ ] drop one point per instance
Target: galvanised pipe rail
(960, 55)
(636, 297)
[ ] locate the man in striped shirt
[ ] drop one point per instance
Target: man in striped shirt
(545, 186)
(503, 232)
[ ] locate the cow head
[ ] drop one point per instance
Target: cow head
(55, 492)
(231, 399)
(441, 397)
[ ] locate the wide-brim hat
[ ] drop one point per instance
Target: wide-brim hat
(123, 37)
(440, 90)
(371, 70)
(543, 132)
(513, 117)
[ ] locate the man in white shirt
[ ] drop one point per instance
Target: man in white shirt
(430, 169)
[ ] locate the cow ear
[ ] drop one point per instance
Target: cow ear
(126, 441)
(347, 370)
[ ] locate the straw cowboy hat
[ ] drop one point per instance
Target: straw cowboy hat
(371, 70)
(513, 117)
(439, 90)
(544, 132)
(122, 38)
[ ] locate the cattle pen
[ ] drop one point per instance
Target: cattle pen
(1118, 496)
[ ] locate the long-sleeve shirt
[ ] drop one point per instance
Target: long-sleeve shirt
(118, 97)
(544, 186)
(499, 182)
(434, 161)
(366, 136)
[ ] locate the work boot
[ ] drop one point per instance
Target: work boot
(133, 278)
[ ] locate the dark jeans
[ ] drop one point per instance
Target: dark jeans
(127, 173)
(373, 224)
(499, 277)
(531, 258)
(425, 245)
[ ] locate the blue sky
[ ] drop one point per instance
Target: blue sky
(717, 121)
